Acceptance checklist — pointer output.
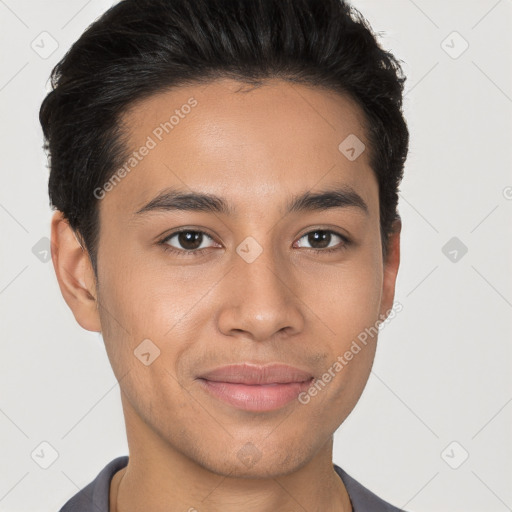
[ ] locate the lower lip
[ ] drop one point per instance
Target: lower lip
(265, 397)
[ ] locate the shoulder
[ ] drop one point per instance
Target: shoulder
(362, 499)
(94, 497)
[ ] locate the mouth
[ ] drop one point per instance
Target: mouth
(256, 388)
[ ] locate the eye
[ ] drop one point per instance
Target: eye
(188, 242)
(322, 238)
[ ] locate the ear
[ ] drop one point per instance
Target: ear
(75, 274)
(391, 264)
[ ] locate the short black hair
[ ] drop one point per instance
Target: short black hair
(141, 47)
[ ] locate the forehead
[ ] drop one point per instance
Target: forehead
(251, 143)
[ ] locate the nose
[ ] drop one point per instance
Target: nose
(260, 298)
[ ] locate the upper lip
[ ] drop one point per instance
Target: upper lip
(248, 373)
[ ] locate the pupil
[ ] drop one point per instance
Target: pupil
(188, 239)
(324, 238)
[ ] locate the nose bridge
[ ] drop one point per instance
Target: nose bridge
(261, 269)
(263, 301)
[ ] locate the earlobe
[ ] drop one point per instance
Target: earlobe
(391, 264)
(74, 273)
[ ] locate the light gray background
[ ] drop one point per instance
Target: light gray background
(442, 371)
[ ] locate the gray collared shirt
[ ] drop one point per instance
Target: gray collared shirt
(95, 496)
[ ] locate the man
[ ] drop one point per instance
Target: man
(225, 176)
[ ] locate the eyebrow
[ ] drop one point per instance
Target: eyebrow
(172, 199)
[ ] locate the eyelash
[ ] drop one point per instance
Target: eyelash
(198, 252)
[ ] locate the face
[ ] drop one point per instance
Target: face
(252, 282)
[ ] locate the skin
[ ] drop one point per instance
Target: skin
(255, 148)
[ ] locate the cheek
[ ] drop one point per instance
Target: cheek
(140, 302)
(347, 303)
(346, 298)
(143, 299)
(137, 315)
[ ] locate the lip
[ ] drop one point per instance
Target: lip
(256, 388)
